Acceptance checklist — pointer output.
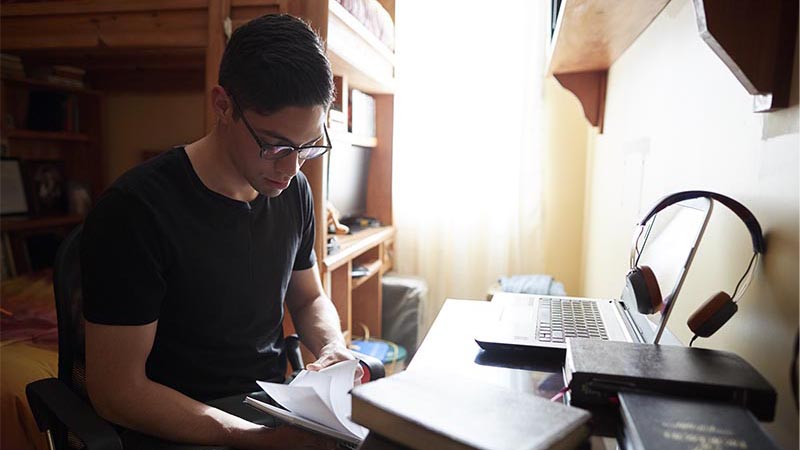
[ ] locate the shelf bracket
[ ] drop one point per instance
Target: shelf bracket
(590, 88)
(756, 39)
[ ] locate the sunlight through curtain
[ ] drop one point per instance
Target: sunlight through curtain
(468, 140)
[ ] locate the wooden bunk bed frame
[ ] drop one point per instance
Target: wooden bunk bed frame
(170, 45)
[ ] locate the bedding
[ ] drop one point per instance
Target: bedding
(374, 16)
(28, 352)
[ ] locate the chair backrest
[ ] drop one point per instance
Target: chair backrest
(69, 308)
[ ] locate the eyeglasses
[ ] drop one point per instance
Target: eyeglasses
(274, 152)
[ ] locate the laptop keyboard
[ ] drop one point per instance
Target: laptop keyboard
(560, 318)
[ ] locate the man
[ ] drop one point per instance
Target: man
(187, 259)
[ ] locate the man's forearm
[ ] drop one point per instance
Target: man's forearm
(160, 411)
(318, 324)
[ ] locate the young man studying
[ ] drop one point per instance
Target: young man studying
(188, 259)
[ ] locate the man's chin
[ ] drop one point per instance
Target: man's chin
(268, 191)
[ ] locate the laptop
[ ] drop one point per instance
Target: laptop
(540, 323)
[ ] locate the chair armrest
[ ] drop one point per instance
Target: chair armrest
(293, 353)
(52, 402)
(373, 367)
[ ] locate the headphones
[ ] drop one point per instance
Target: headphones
(714, 312)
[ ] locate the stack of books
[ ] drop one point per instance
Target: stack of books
(11, 66)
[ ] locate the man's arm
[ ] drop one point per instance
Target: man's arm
(316, 320)
(121, 392)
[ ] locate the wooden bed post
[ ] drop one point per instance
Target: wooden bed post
(218, 12)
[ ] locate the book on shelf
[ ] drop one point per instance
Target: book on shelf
(596, 370)
(338, 120)
(446, 411)
(362, 114)
(316, 401)
(11, 66)
(9, 269)
(674, 423)
(67, 76)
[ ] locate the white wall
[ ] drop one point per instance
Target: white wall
(672, 104)
(563, 185)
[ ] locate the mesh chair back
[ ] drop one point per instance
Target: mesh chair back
(69, 308)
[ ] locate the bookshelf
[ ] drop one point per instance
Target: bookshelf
(359, 61)
(66, 146)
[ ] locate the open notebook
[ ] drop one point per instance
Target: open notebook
(316, 401)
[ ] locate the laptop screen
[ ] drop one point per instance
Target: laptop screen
(670, 241)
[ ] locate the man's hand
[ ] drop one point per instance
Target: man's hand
(333, 353)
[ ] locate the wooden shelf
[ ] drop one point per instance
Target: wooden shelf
(589, 36)
(373, 268)
(48, 135)
(756, 40)
(28, 224)
(361, 141)
(352, 245)
(364, 141)
(49, 85)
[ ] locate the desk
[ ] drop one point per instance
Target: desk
(449, 346)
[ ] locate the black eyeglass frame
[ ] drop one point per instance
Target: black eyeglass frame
(284, 150)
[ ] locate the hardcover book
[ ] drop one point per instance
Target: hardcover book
(672, 423)
(450, 413)
(596, 370)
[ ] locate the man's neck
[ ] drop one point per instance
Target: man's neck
(212, 163)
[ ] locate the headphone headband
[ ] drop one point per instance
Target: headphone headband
(737, 208)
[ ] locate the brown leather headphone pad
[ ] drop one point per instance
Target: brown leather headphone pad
(653, 291)
(706, 311)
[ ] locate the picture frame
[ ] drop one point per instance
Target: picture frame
(13, 200)
(80, 198)
(46, 185)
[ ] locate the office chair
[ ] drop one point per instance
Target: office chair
(61, 406)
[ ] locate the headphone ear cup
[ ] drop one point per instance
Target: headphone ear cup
(642, 282)
(712, 315)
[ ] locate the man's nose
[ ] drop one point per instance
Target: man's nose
(289, 165)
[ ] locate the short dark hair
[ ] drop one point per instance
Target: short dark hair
(276, 61)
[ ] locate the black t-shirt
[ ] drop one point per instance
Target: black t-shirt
(213, 271)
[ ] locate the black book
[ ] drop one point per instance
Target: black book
(596, 370)
(651, 422)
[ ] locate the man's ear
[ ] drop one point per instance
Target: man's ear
(222, 104)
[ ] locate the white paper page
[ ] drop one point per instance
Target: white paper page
(333, 384)
(296, 420)
(343, 376)
(320, 382)
(323, 396)
(304, 402)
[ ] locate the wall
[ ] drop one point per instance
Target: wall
(677, 119)
(135, 122)
(563, 185)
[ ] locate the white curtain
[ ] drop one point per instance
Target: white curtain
(468, 143)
